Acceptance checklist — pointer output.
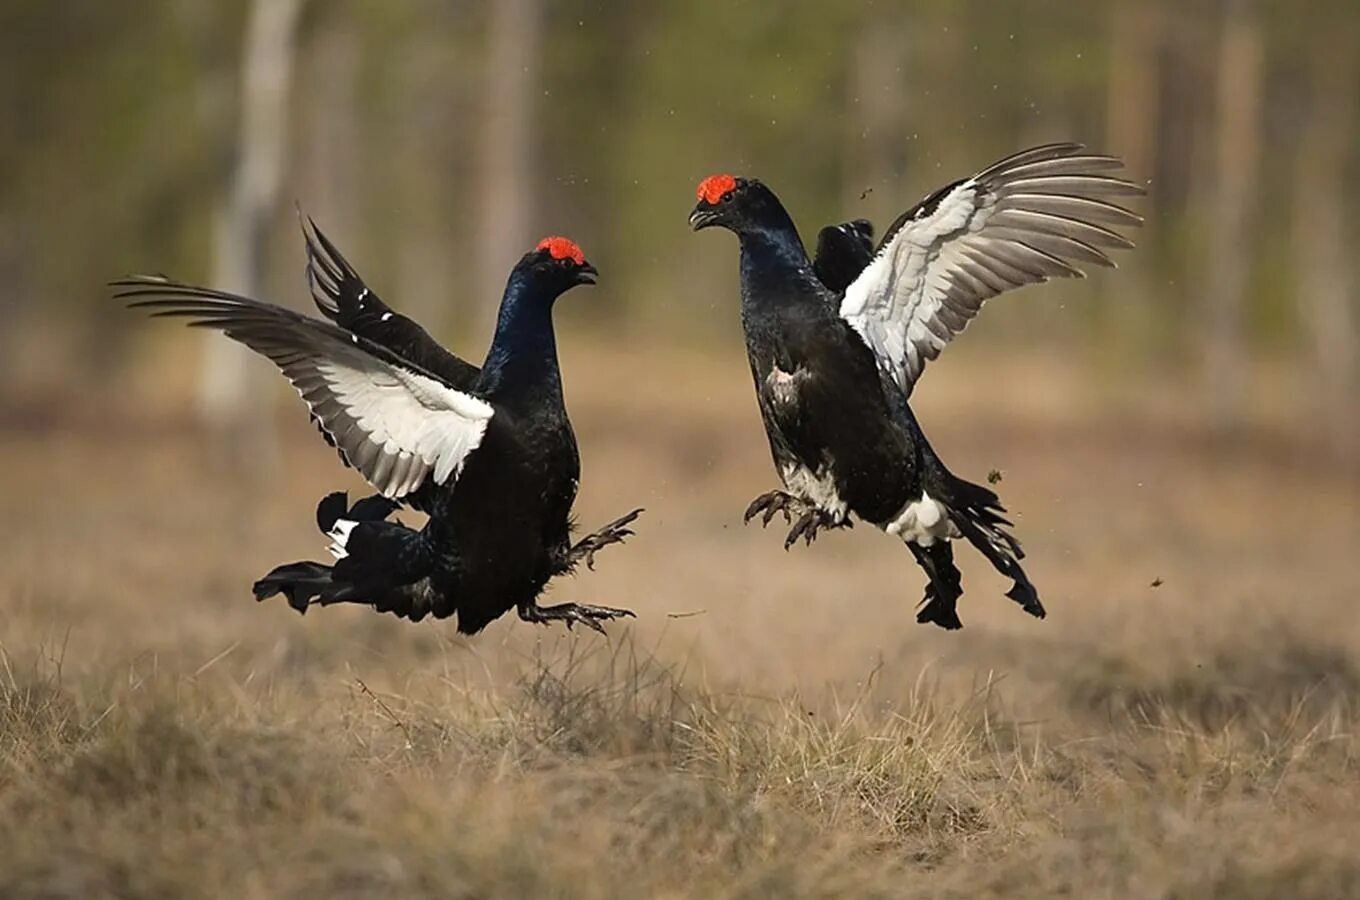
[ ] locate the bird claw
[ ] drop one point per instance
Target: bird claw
(811, 522)
(574, 613)
(797, 530)
(770, 503)
(811, 519)
(806, 528)
(613, 533)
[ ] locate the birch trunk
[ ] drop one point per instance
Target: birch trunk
(231, 384)
(1322, 250)
(508, 165)
(1232, 211)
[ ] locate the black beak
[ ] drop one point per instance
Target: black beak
(702, 217)
(586, 274)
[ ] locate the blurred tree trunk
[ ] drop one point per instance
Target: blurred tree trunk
(1132, 134)
(877, 124)
(1326, 271)
(331, 142)
(427, 272)
(230, 379)
(508, 164)
(1131, 128)
(1232, 211)
(1185, 91)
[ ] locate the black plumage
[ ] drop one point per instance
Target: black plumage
(842, 253)
(341, 295)
(488, 452)
(837, 343)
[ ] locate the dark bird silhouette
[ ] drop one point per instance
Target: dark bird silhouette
(488, 452)
(836, 344)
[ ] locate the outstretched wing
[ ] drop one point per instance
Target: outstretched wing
(842, 253)
(1037, 215)
(342, 297)
(392, 420)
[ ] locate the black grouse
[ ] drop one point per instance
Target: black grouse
(836, 344)
(488, 453)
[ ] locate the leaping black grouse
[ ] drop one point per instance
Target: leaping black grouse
(837, 344)
(487, 452)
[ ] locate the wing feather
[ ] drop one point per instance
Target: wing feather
(343, 297)
(1071, 186)
(842, 253)
(395, 422)
(1041, 213)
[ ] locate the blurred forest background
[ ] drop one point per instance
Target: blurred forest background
(435, 141)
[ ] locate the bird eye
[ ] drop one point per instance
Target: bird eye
(726, 197)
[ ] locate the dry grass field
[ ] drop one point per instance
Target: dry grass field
(771, 725)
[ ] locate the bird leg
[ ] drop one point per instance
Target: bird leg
(572, 613)
(613, 533)
(940, 603)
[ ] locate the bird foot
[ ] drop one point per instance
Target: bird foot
(807, 528)
(811, 522)
(810, 518)
(572, 613)
(771, 502)
(613, 533)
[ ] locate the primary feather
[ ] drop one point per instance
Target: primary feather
(394, 422)
(1037, 215)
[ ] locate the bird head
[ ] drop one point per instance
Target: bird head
(735, 203)
(558, 265)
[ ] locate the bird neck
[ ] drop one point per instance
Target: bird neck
(523, 354)
(774, 263)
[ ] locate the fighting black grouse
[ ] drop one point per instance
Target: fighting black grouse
(836, 344)
(487, 452)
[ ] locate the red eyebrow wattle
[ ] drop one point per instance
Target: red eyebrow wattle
(562, 248)
(715, 187)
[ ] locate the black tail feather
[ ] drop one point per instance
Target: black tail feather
(334, 507)
(977, 513)
(374, 508)
(383, 564)
(330, 510)
(299, 582)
